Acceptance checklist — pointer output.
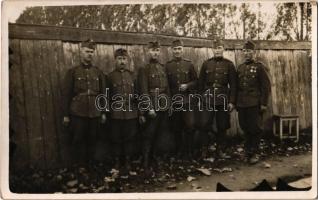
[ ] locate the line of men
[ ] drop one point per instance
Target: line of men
(246, 88)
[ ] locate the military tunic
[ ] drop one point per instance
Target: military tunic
(218, 75)
(81, 86)
(181, 71)
(124, 123)
(253, 91)
(153, 79)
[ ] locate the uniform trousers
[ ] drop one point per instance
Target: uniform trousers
(249, 119)
(84, 133)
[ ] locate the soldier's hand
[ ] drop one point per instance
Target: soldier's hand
(152, 113)
(142, 119)
(231, 107)
(183, 87)
(263, 108)
(103, 119)
(66, 120)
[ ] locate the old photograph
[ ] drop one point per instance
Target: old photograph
(150, 98)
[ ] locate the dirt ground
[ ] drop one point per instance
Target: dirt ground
(288, 161)
(244, 176)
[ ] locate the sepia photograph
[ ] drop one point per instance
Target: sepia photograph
(208, 99)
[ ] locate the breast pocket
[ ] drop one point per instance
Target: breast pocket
(154, 80)
(223, 75)
(185, 76)
(80, 83)
(95, 83)
(209, 75)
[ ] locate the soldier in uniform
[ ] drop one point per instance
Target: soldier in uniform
(182, 81)
(124, 113)
(153, 82)
(252, 99)
(217, 83)
(81, 86)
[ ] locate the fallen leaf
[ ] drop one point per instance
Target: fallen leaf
(267, 165)
(109, 179)
(289, 148)
(240, 149)
(198, 189)
(131, 173)
(124, 177)
(72, 183)
(172, 187)
(191, 178)
(204, 171)
(72, 190)
(227, 169)
(217, 170)
(211, 160)
(59, 177)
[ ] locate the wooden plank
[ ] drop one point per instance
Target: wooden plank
(38, 32)
(32, 102)
(63, 132)
(50, 86)
(108, 54)
(17, 111)
(136, 53)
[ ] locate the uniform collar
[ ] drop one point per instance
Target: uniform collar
(86, 66)
(153, 60)
(249, 61)
(219, 58)
(122, 69)
(178, 59)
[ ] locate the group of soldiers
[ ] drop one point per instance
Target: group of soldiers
(245, 88)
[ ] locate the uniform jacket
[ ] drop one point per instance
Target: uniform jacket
(153, 79)
(219, 75)
(123, 83)
(181, 71)
(253, 84)
(81, 86)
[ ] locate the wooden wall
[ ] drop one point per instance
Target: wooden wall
(42, 55)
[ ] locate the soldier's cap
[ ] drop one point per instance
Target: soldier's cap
(120, 52)
(177, 43)
(153, 45)
(249, 45)
(89, 43)
(217, 42)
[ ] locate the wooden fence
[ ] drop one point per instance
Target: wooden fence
(43, 54)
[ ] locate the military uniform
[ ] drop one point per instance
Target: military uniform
(82, 84)
(153, 80)
(219, 76)
(181, 71)
(253, 91)
(124, 123)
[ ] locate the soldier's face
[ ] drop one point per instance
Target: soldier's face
(87, 54)
(154, 53)
(121, 61)
(248, 53)
(177, 51)
(218, 51)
